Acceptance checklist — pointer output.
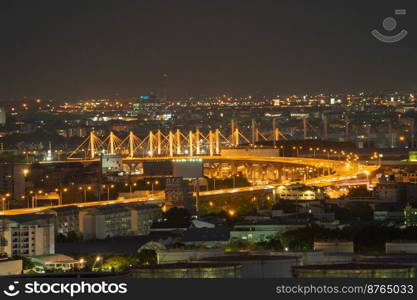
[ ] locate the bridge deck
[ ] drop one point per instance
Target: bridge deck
(342, 171)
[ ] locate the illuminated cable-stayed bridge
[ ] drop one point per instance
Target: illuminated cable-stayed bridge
(208, 147)
(341, 171)
(192, 143)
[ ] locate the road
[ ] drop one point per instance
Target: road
(342, 171)
(157, 198)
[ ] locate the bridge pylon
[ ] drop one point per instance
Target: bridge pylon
(174, 143)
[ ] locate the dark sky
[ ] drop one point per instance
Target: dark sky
(104, 48)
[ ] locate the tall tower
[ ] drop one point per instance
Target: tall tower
(164, 87)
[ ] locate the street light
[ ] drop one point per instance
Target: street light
(84, 189)
(64, 190)
(379, 159)
(98, 258)
(328, 153)
(81, 261)
(314, 151)
(4, 199)
(131, 185)
(156, 182)
(282, 150)
(298, 148)
(35, 197)
(108, 190)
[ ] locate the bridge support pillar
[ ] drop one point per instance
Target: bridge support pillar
(171, 144)
(92, 147)
(197, 140)
(211, 149)
(217, 138)
(151, 144)
(111, 142)
(190, 143)
(158, 136)
(131, 144)
(178, 137)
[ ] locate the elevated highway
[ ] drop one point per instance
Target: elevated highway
(338, 171)
(156, 198)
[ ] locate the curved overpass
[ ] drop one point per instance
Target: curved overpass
(340, 171)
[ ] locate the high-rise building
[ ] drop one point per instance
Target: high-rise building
(179, 193)
(147, 103)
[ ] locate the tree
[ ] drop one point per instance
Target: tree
(356, 211)
(303, 238)
(115, 263)
(237, 245)
(147, 257)
(272, 242)
(60, 238)
(72, 236)
(361, 211)
(285, 206)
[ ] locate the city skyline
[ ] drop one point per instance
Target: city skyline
(208, 139)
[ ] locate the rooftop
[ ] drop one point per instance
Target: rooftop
(187, 266)
(206, 234)
(54, 258)
(116, 245)
(169, 225)
(145, 207)
(353, 266)
(246, 257)
(27, 218)
(389, 259)
(110, 208)
(275, 221)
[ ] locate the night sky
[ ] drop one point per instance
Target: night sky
(76, 48)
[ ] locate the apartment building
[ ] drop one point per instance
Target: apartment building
(66, 219)
(28, 235)
(143, 216)
(105, 221)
